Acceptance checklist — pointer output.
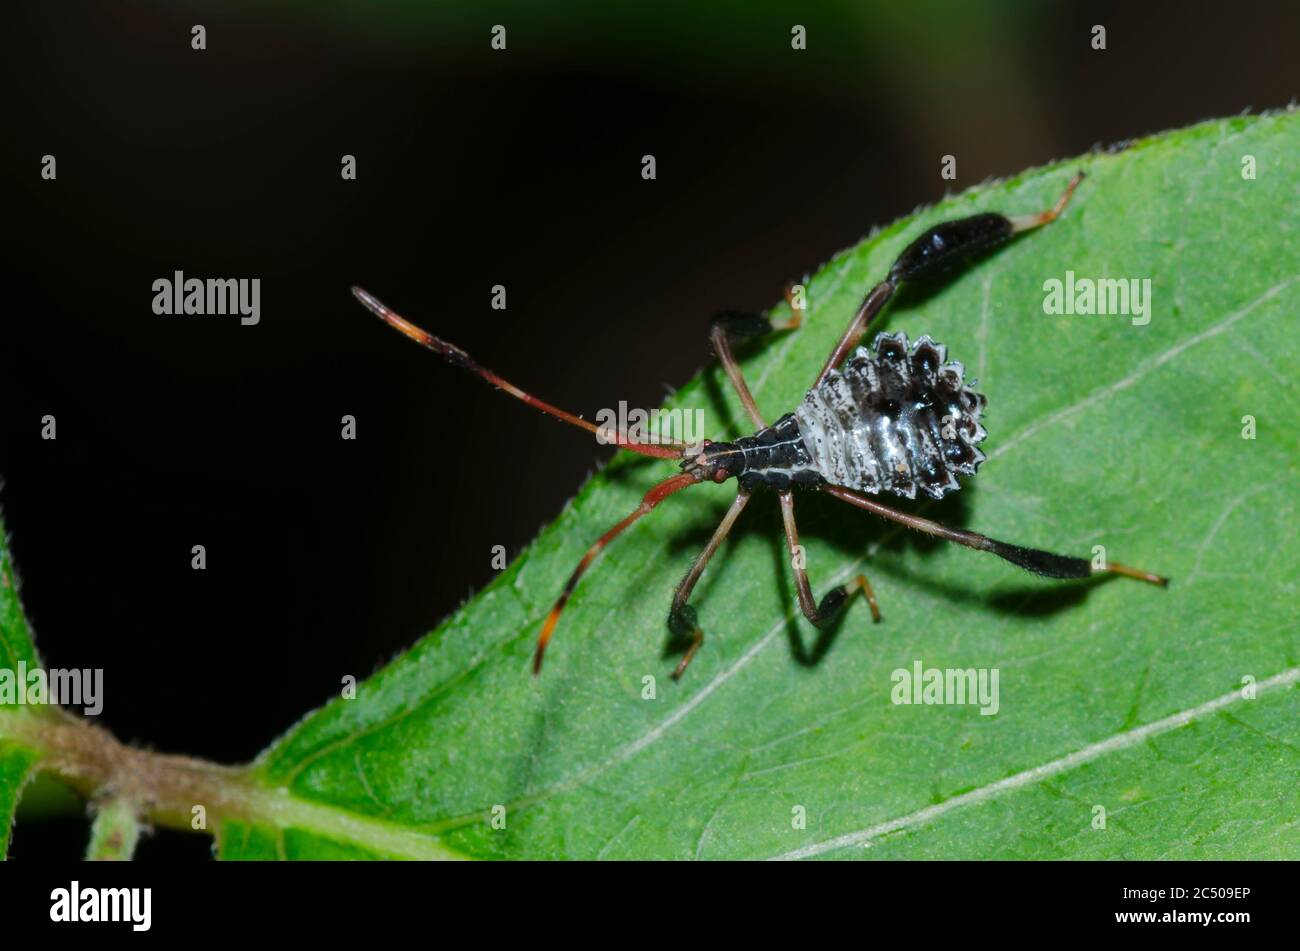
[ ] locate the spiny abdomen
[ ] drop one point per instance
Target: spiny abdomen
(896, 420)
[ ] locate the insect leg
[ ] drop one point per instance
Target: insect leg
(1031, 559)
(835, 599)
(731, 325)
(652, 498)
(1021, 223)
(871, 305)
(936, 252)
(682, 618)
(950, 243)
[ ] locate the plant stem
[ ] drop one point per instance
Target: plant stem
(143, 786)
(116, 831)
(160, 787)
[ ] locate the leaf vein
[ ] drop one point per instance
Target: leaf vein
(1087, 754)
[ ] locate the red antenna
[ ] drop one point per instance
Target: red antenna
(667, 450)
(454, 354)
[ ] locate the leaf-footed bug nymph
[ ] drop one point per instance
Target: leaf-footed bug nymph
(894, 418)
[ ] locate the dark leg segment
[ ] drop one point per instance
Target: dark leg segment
(946, 245)
(682, 618)
(1031, 559)
(835, 599)
(936, 252)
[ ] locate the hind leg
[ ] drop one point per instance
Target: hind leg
(937, 251)
(1036, 560)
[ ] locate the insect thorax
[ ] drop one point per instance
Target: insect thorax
(896, 420)
(777, 457)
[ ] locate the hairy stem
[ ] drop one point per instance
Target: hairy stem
(186, 793)
(116, 831)
(158, 787)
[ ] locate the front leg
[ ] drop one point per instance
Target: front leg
(682, 619)
(729, 325)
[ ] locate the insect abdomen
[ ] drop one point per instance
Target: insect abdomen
(895, 420)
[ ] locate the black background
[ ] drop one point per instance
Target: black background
(336, 901)
(476, 168)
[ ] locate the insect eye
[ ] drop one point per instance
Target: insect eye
(721, 475)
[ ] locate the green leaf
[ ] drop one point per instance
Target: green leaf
(1114, 695)
(15, 768)
(16, 653)
(1132, 722)
(264, 841)
(15, 636)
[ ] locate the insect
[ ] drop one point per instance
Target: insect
(894, 418)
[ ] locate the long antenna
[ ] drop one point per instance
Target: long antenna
(666, 450)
